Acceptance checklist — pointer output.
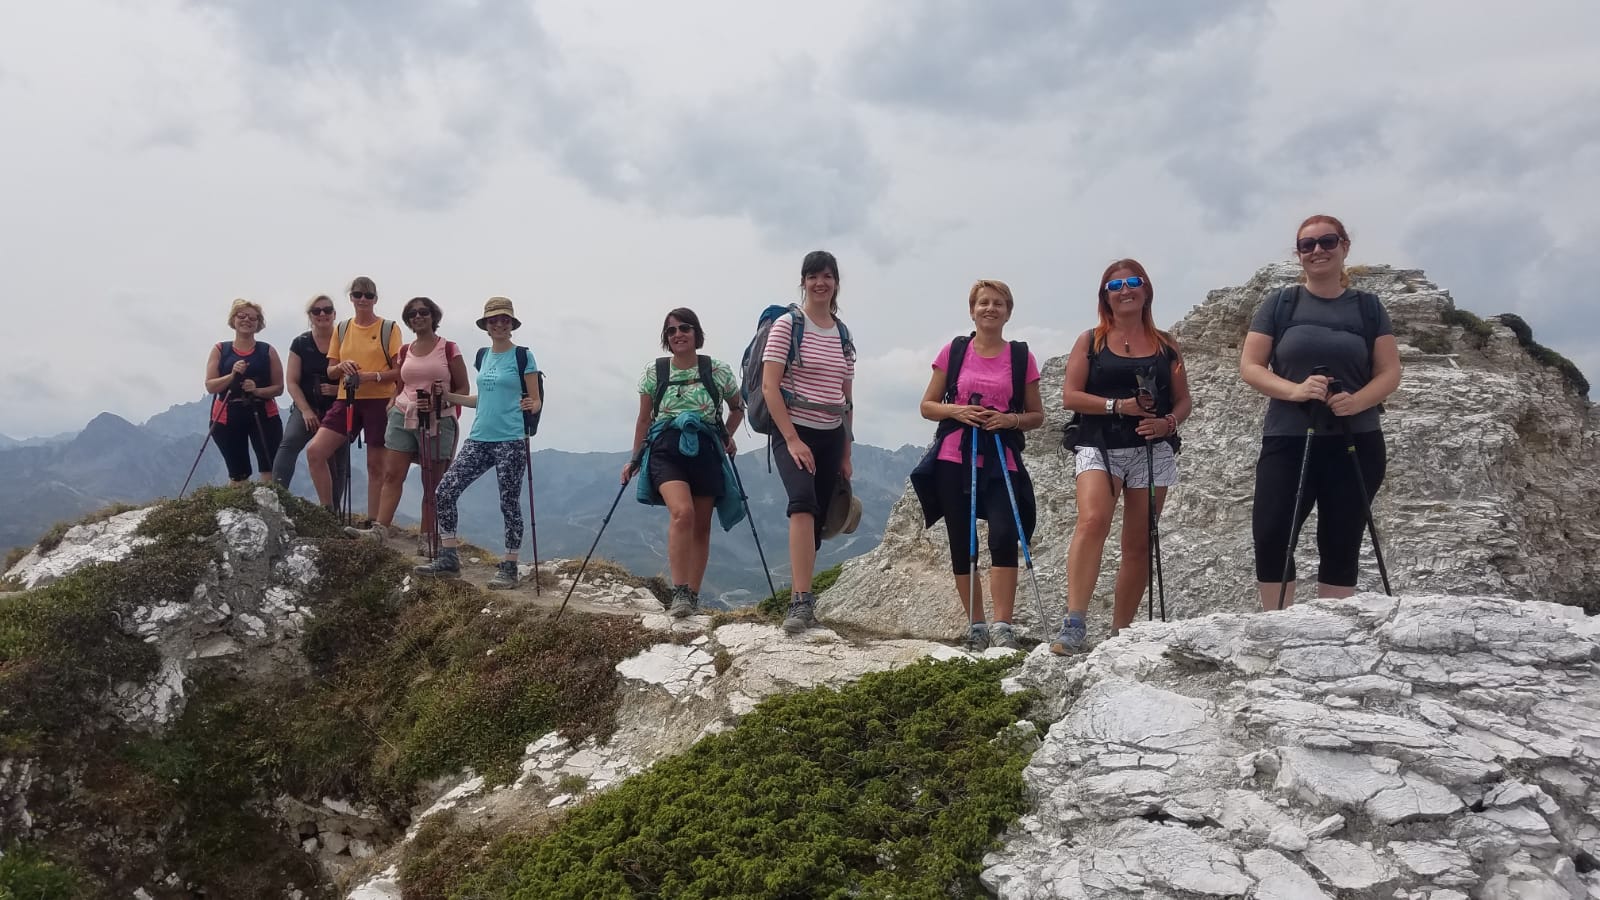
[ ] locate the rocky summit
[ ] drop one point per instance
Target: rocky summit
(1492, 486)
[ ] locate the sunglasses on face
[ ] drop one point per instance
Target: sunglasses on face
(1326, 242)
(497, 320)
(245, 318)
(321, 310)
(362, 295)
(418, 312)
(1131, 282)
(680, 328)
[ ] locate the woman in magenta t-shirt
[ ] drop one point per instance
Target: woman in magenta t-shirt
(984, 375)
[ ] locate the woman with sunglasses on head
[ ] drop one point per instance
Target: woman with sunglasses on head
(1325, 355)
(429, 366)
(362, 359)
(682, 444)
(983, 404)
(243, 375)
(810, 437)
(1126, 381)
(306, 380)
(508, 386)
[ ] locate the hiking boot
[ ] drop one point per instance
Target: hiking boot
(376, 532)
(683, 602)
(1071, 638)
(977, 637)
(802, 614)
(446, 565)
(1003, 636)
(505, 576)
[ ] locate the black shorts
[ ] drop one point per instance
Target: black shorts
(702, 472)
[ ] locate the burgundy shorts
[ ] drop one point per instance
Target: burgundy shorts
(370, 417)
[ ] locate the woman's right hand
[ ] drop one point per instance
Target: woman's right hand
(629, 469)
(968, 415)
(1315, 387)
(1129, 406)
(801, 454)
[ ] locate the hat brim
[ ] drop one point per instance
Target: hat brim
(483, 323)
(844, 511)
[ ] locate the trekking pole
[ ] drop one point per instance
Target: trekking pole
(1299, 497)
(1361, 485)
(210, 424)
(425, 451)
(1016, 515)
(744, 498)
(533, 519)
(1157, 582)
(350, 384)
(972, 531)
(603, 523)
(261, 433)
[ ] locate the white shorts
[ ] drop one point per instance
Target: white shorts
(1128, 464)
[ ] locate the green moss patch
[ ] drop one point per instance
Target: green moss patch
(1544, 355)
(894, 786)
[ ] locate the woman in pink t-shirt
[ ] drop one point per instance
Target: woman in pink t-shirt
(427, 365)
(982, 399)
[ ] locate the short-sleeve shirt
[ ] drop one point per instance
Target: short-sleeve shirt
(499, 415)
(819, 375)
(313, 371)
(419, 372)
(363, 346)
(989, 376)
(1325, 333)
(685, 393)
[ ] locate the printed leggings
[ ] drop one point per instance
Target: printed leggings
(509, 459)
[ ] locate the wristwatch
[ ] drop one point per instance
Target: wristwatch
(1111, 406)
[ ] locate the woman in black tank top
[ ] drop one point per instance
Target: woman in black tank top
(1119, 425)
(244, 375)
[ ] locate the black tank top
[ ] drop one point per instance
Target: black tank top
(1117, 377)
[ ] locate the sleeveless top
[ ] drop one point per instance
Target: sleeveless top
(1117, 377)
(257, 368)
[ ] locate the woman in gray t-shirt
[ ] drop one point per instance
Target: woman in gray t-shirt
(1326, 357)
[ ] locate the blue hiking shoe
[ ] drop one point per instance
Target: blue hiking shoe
(1070, 640)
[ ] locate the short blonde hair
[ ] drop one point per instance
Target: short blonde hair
(313, 302)
(261, 317)
(999, 287)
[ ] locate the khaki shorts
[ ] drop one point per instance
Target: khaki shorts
(401, 439)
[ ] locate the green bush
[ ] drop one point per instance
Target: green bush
(894, 786)
(1476, 329)
(26, 875)
(776, 606)
(1544, 355)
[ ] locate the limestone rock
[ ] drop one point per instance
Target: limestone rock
(1493, 476)
(108, 540)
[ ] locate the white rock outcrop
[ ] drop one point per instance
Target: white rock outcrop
(1451, 744)
(1493, 479)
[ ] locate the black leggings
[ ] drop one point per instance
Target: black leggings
(952, 481)
(240, 433)
(1331, 486)
(811, 493)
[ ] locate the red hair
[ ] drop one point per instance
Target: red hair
(1338, 228)
(1157, 337)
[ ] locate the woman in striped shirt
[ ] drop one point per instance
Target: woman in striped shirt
(808, 394)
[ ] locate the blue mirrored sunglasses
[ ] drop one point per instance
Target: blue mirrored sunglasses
(1131, 282)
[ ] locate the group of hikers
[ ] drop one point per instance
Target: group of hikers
(1323, 354)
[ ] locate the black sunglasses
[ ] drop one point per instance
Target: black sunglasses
(680, 328)
(1326, 242)
(321, 310)
(416, 311)
(362, 295)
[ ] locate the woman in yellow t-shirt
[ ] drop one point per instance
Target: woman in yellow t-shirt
(362, 359)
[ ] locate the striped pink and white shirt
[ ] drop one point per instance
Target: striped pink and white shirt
(818, 375)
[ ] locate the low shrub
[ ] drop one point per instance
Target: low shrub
(26, 875)
(893, 786)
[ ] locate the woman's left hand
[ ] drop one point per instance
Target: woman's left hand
(1000, 421)
(1343, 404)
(730, 446)
(844, 466)
(1154, 429)
(248, 386)
(529, 405)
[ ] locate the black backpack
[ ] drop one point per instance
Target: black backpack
(1283, 320)
(530, 421)
(706, 377)
(1019, 375)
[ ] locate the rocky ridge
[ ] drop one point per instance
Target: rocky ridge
(1427, 747)
(1493, 478)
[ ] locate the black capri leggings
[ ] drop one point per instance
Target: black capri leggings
(1331, 486)
(247, 426)
(811, 493)
(952, 480)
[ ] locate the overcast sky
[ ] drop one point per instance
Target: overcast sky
(603, 162)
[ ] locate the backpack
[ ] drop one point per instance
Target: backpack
(530, 421)
(449, 348)
(1283, 320)
(705, 377)
(1019, 374)
(385, 329)
(751, 366)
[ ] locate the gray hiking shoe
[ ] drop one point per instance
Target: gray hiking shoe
(446, 565)
(683, 602)
(977, 637)
(1071, 638)
(802, 614)
(379, 533)
(1003, 636)
(505, 576)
